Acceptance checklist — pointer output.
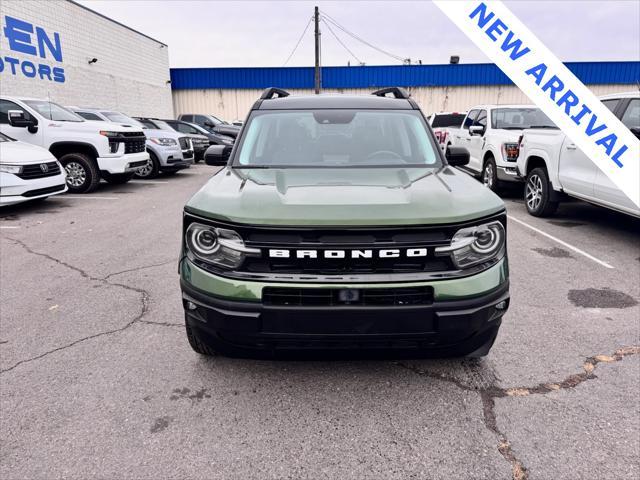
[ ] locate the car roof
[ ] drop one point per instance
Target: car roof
(613, 96)
(333, 101)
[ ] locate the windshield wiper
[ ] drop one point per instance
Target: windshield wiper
(512, 128)
(543, 126)
(253, 166)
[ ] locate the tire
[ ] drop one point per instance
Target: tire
(150, 170)
(82, 171)
(170, 173)
(117, 178)
(537, 194)
(197, 344)
(489, 175)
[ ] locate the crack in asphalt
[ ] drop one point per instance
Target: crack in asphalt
(140, 268)
(489, 394)
(143, 311)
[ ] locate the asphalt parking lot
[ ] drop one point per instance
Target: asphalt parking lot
(97, 378)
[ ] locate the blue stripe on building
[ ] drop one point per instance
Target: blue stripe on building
(387, 75)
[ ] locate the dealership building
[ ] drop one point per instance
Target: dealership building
(60, 50)
(230, 92)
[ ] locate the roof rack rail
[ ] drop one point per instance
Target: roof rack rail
(397, 92)
(271, 92)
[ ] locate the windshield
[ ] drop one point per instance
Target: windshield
(448, 120)
(217, 121)
(163, 125)
(53, 111)
(336, 138)
(519, 118)
(200, 129)
(118, 117)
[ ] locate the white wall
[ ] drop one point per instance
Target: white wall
(130, 75)
(232, 104)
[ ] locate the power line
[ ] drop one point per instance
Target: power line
(340, 41)
(360, 39)
(298, 43)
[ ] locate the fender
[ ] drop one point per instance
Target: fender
(68, 145)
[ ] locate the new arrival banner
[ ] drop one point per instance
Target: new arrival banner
(552, 87)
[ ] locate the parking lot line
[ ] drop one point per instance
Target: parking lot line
(563, 243)
(150, 182)
(8, 227)
(88, 197)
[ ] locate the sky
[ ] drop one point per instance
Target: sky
(205, 33)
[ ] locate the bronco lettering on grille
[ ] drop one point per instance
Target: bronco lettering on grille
(337, 254)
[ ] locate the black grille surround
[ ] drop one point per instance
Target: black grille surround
(134, 142)
(360, 270)
(44, 191)
(39, 170)
(329, 297)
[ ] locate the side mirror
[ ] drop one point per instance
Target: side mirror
(457, 156)
(17, 118)
(209, 124)
(217, 155)
(476, 130)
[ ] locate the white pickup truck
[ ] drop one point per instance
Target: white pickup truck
(491, 133)
(443, 124)
(86, 150)
(554, 166)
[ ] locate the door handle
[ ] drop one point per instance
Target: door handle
(571, 146)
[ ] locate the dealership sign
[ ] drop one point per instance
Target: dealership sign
(552, 87)
(25, 38)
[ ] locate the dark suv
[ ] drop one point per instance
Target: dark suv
(338, 223)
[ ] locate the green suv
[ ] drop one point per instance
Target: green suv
(338, 223)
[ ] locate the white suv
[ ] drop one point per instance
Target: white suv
(28, 172)
(87, 150)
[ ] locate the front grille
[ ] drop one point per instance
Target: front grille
(39, 170)
(413, 249)
(136, 146)
(327, 297)
(184, 143)
(43, 191)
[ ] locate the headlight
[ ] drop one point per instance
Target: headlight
(218, 246)
(165, 142)
(473, 245)
(109, 134)
(11, 169)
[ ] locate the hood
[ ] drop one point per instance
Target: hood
(21, 153)
(376, 196)
(157, 133)
(90, 126)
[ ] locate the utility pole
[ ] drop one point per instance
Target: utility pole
(318, 75)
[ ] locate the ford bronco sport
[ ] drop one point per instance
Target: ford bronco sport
(339, 224)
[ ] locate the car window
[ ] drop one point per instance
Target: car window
(186, 118)
(200, 119)
(53, 111)
(148, 124)
(448, 120)
(611, 104)
(469, 120)
(5, 106)
(482, 119)
(337, 138)
(89, 116)
(519, 118)
(631, 117)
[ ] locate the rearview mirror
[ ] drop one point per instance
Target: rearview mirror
(457, 156)
(476, 130)
(17, 118)
(217, 155)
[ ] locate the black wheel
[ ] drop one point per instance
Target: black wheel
(151, 169)
(537, 194)
(117, 178)
(82, 172)
(490, 175)
(197, 344)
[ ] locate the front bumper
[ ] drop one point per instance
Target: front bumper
(127, 163)
(14, 189)
(508, 174)
(461, 319)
